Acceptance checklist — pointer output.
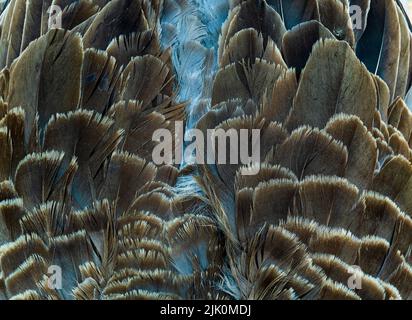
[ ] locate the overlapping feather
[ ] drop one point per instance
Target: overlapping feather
(78, 190)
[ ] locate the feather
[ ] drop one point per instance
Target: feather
(125, 47)
(360, 8)
(340, 195)
(144, 78)
(336, 291)
(69, 252)
(99, 80)
(57, 53)
(395, 174)
(88, 137)
(116, 18)
(373, 251)
(245, 82)
(351, 91)
(6, 155)
(362, 155)
(75, 13)
(26, 276)
(296, 12)
(196, 249)
(7, 16)
(334, 15)
(339, 272)
(307, 152)
(138, 127)
(14, 122)
(383, 96)
(297, 43)
(400, 118)
(37, 176)
(278, 106)
(330, 188)
(16, 23)
(380, 45)
(126, 175)
(7, 190)
(32, 23)
(257, 15)
(404, 58)
(11, 212)
(247, 45)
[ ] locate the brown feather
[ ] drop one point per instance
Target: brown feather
(344, 86)
(297, 43)
(46, 77)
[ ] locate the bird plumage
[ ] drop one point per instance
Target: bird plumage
(79, 189)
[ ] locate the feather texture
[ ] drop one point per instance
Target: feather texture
(81, 192)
